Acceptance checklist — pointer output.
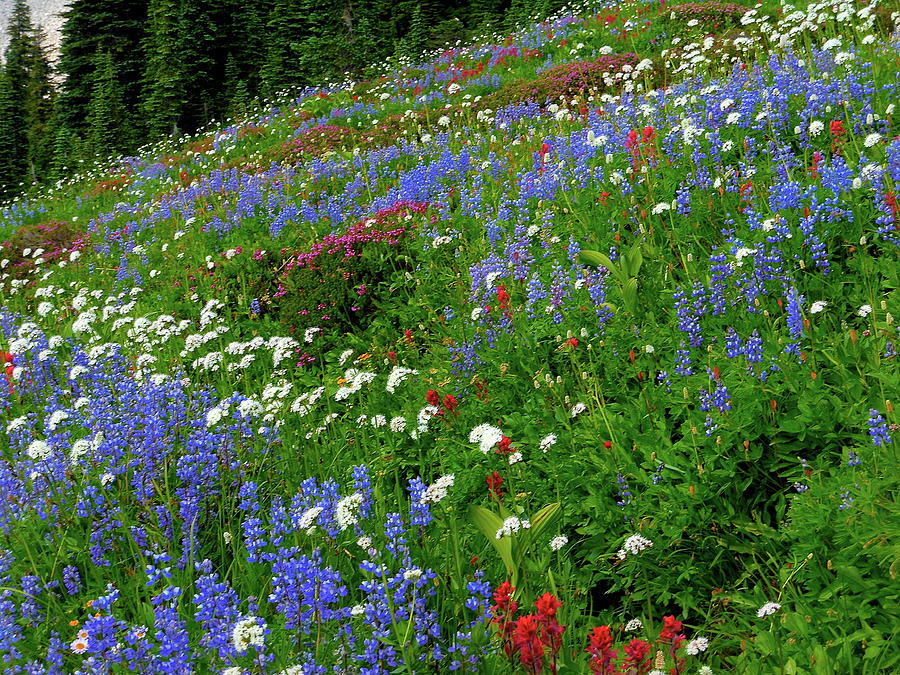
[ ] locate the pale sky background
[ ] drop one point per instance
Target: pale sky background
(43, 12)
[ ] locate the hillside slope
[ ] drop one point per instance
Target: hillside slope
(568, 351)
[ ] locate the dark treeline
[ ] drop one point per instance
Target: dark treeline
(133, 71)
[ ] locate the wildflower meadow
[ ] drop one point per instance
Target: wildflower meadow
(571, 350)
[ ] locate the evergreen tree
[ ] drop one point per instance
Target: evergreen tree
(369, 40)
(117, 27)
(11, 170)
(250, 49)
(287, 27)
(63, 151)
(322, 50)
(519, 12)
(207, 35)
(39, 109)
(237, 94)
(106, 111)
(415, 40)
(164, 77)
(17, 58)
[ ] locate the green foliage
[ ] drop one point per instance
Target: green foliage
(27, 104)
(92, 27)
(106, 112)
(164, 76)
(12, 150)
(739, 471)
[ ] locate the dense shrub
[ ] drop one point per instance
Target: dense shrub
(713, 14)
(49, 241)
(606, 74)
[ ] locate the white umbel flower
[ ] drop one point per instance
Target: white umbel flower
(696, 646)
(39, 450)
(512, 525)
(547, 442)
(486, 436)
(437, 490)
(558, 542)
(248, 632)
(346, 513)
(396, 377)
(577, 409)
(634, 545)
(871, 140)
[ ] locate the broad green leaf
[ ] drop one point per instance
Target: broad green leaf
(766, 642)
(632, 261)
(822, 664)
(542, 518)
(489, 523)
(597, 259)
(796, 623)
(630, 295)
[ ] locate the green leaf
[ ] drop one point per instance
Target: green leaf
(542, 518)
(823, 664)
(488, 523)
(796, 623)
(766, 642)
(597, 259)
(632, 261)
(630, 295)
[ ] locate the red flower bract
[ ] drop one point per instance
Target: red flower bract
(494, 483)
(603, 656)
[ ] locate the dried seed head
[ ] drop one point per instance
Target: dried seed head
(660, 661)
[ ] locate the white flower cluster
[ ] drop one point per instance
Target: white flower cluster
(292, 670)
(57, 418)
(248, 632)
(424, 416)
(547, 442)
(558, 542)
(634, 545)
(250, 408)
(512, 525)
(437, 490)
(307, 521)
(633, 625)
(39, 450)
(346, 513)
(768, 609)
(304, 403)
(355, 380)
(696, 646)
(486, 436)
(396, 377)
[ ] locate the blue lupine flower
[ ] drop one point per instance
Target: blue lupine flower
(878, 429)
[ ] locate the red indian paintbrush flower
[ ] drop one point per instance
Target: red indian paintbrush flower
(7, 359)
(603, 656)
(495, 483)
